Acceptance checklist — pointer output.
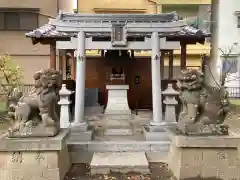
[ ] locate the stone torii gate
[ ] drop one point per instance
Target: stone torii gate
(118, 26)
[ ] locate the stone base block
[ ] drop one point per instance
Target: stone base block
(158, 133)
(203, 157)
(80, 135)
(79, 127)
(123, 162)
(39, 161)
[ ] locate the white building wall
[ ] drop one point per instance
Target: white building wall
(224, 34)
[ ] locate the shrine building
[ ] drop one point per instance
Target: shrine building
(118, 37)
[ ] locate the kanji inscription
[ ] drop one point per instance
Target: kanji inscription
(17, 157)
(81, 58)
(156, 57)
(39, 157)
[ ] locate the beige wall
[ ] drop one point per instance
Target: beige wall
(182, 10)
(183, 1)
(48, 7)
(150, 6)
(30, 64)
(66, 5)
(89, 6)
(15, 43)
(30, 57)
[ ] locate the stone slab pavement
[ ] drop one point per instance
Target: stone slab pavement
(123, 162)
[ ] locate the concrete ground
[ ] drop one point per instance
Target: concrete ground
(233, 119)
(159, 171)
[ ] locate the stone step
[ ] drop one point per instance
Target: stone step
(118, 146)
(118, 131)
(117, 116)
(79, 157)
(93, 110)
(123, 162)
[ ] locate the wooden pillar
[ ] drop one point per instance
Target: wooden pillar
(53, 55)
(102, 53)
(204, 63)
(64, 65)
(73, 66)
(183, 63)
(132, 54)
(170, 66)
(60, 61)
(162, 63)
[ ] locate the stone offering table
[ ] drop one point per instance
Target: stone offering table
(203, 157)
(117, 100)
(34, 158)
(117, 113)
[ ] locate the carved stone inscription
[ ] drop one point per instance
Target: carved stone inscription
(17, 157)
(39, 157)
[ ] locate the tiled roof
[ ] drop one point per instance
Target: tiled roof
(49, 31)
(46, 31)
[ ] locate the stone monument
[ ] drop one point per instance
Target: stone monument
(35, 147)
(201, 145)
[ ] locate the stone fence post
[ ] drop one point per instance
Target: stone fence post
(170, 102)
(64, 103)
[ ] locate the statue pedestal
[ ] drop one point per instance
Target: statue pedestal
(117, 100)
(200, 157)
(34, 158)
(117, 113)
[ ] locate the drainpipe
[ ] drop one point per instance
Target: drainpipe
(77, 7)
(57, 6)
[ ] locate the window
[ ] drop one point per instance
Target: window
(1, 21)
(18, 19)
(11, 21)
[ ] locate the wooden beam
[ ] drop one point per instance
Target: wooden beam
(163, 27)
(186, 39)
(183, 59)
(134, 45)
(53, 56)
(170, 66)
(48, 40)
